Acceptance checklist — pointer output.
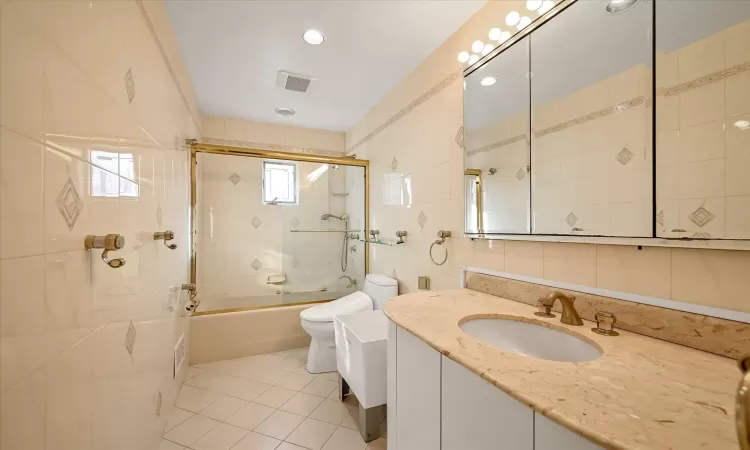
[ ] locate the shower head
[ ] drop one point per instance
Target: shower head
(327, 216)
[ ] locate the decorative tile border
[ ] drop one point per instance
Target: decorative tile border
(722, 337)
(638, 101)
(498, 144)
(444, 83)
(273, 147)
(704, 80)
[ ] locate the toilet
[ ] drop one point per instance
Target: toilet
(318, 320)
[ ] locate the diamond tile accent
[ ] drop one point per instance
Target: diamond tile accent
(130, 85)
(660, 218)
(69, 203)
(234, 178)
(159, 216)
(460, 137)
(294, 222)
(394, 274)
(130, 338)
(701, 217)
(394, 164)
(571, 219)
(624, 156)
(256, 264)
(256, 222)
(295, 262)
(520, 174)
(422, 219)
(701, 235)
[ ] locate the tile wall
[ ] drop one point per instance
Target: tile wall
(92, 127)
(703, 163)
(419, 125)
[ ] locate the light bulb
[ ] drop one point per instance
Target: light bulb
(742, 124)
(477, 46)
(488, 81)
(474, 58)
(487, 48)
(495, 34)
(313, 37)
(463, 57)
(524, 22)
(504, 36)
(533, 5)
(512, 18)
(546, 6)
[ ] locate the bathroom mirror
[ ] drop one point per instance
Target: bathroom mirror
(496, 160)
(591, 152)
(703, 119)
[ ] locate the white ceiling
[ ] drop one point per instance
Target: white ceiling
(233, 50)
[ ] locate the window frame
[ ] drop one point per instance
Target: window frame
(293, 188)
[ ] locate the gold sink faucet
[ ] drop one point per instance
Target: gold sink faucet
(569, 315)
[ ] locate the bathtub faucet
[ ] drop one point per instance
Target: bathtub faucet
(352, 281)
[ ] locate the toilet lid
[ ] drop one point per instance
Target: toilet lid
(352, 303)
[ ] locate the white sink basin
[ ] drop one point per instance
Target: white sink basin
(531, 340)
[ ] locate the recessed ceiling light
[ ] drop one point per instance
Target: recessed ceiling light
(495, 34)
(474, 58)
(285, 111)
(524, 22)
(463, 57)
(742, 124)
(488, 81)
(533, 5)
(313, 37)
(616, 6)
(512, 18)
(477, 46)
(546, 6)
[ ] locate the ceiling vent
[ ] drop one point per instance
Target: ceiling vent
(293, 81)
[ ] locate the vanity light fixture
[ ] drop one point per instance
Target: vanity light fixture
(488, 81)
(533, 5)
(546, 6)
(473, 59)
(524, 22)
(477, 46)
(495, 34)
(285, 111)
(313, 37)
(618, 6)
(512, 18)
(463, 57)
(504, 36)
(742, 124)
(487, 48)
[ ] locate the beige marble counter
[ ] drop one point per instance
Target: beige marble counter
(641, 394)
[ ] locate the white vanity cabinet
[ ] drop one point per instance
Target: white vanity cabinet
(436, 404)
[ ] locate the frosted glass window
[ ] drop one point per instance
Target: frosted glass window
(113, 174)
(279, 183)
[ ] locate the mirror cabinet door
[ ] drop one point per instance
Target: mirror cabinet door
(591, 158)
(496, 126)
(703, 119)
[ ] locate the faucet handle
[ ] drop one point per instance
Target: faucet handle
(544, 310)
(605, 323)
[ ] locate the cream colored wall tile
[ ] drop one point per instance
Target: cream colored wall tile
(702, 179)
(738, 94)
(701, 105)
(668, 113)
(693, 219)
(524, 258)
(22, 414)
(628, 269)
(737, 41)
(489, 254)
(711, 277)
(234, 129)
(571, 263)
(738, 217)
(213, 127)
(702, 142)
(701, 57)
(667, 69)
(21, 200)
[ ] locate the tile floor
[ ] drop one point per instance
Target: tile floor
(263, 402)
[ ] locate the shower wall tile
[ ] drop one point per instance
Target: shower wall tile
(737, 44)
(711, 277)
(738, 94)
(66, 379)
(702, 105)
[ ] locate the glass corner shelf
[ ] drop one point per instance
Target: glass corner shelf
(380, 242)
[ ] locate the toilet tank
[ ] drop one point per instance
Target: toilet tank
(380, 289)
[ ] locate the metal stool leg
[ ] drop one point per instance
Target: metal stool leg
(369, 422)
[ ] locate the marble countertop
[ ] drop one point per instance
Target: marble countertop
(641, 394)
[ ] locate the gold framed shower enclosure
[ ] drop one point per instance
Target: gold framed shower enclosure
(200, 147)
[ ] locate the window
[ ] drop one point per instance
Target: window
(279, 183)
(113, 174)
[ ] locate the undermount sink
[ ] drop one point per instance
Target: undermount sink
(531, 340)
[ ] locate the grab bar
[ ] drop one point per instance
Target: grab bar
(742, 405)
(324, 231)
(303, 292)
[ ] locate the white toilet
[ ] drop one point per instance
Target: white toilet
(318, 320)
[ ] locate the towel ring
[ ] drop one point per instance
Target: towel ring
(442, 234)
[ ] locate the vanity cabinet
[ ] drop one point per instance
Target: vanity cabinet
(441, 405)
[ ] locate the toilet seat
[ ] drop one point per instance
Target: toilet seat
(352, 303)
